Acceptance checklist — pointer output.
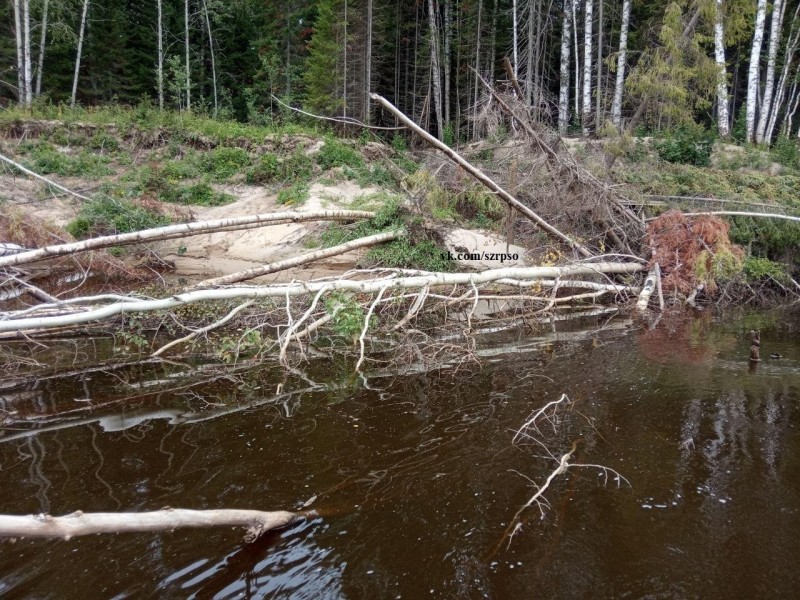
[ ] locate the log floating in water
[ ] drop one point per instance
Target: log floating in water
(78, 523)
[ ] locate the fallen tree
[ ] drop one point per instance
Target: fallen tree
(78, 523)
(286, 290)
(182, 230)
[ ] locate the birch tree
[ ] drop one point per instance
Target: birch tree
(619, 84)
(79, 53)
(42, 44)
(788, 61)
(587, 66)
(722, 72)
(213, 60)
(563, 92)
(435, 72)
(160, 65)
(772, 53)
(27, 78)
(186, 47)
(20, 58)
(753, 71)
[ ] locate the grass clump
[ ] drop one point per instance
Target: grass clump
(222, 163)
(387, 218)
(336, 154)
(199, 194)
(45, 159)
(406, 254)
(107, 216)
(297, 193)
(103, 142)
(265, 170)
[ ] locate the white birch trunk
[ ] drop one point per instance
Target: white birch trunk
(753, 71)
(80, 51)
(780, 92)
(435, 71)
(213, 61)
(563, 89)
(160, 66)
(722, 72)
(188, 64)
(575, 6)
(772, 53)
(26, 51)
(619, 84)
(587, 66)
(20, 58)
(448, 42)
(42, 44)
(598, 100)
(514, 34)
(368, 64)
(477, 71)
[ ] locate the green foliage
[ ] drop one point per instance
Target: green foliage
(269, 169)
(322, 76)
(768, 238)
(405, 254)
(229, 349)
(348, 316)
(185, 168)
(199, 194)
(758, 269)
(334, 153)
(43, 158)
(223, 162)
(104, 142)
(399, 144)
(297, 193)
(107, 216)
(785, 152)
(690, 145)
(266, 170)
(387, 218)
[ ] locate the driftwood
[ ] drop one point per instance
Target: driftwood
(484, 179)
(296, 261)
(183, 230)
(648, 287)
(78, 523)
(16, 165)
(370, 286)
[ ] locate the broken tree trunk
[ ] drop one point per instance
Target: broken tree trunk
(183, 230)
(78, 523)
(296, 261)
(9, 323)
(649, 286)
(483, 178)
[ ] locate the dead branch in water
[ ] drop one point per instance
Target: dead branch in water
(531, 432)
(182, 230)
(484, 179)
(257, 522)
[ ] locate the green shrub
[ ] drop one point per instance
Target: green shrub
(104, 142)
(389, 217)
(405, 254)
(348, 316)
(266, 170)
(44, 159)
(336, 154)
(297, 193)
(106, 216)
(757, 269)
(199, 194)
(223, 162)
(185, 168)
(785, 152)
(686, 145)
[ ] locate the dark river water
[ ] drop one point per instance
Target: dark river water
(415, 477)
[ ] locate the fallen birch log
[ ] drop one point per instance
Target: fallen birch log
(182, 230)
(78, 523)
(649, 286)
(370, 286)
(296, 261)
(483, 178)
(16, 165)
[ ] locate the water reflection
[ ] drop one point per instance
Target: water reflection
(414, 476)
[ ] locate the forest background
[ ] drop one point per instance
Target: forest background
(585, 66)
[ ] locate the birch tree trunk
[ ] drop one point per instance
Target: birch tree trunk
(20, 58)
(477, 71)
(587, 66)
(437, 75)
(80, 51)
(213, 61)
(575, 6)
(448, 42)
(722, 72)
(42, 44)
(788, 60)
(368, 64)
(753, 71)
(186, 47)
(160, 66)
(563, 91)
(27, 79)
(514, 35)
(772, 53)
(598, 100)
(619, 84)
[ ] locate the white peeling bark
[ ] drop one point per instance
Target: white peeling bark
(587, 66)
(723, 118)
(20, 59)
(772, 53)
(563, 89)
(80, 51)
(42, 44)
(79, 523)
(753, 71)
(27, 77)
(780, 92)
(619, 85)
